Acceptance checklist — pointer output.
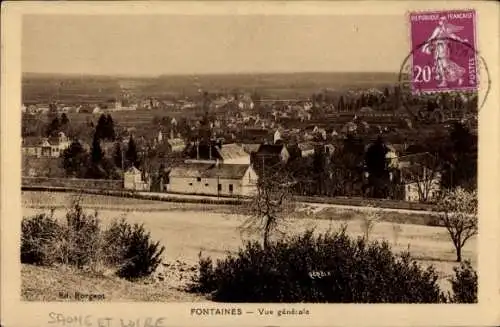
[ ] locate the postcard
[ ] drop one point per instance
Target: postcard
(250, 163)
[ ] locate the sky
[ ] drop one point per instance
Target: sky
(200, 44)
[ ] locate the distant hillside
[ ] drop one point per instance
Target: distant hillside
(88, 88)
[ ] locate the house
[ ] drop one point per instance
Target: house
(46, 147)
(419, 177)
(306, 149)
(217, 151)
(132, 180)
(233, 154)
(271, 154)
(217, 179)
(422, 190)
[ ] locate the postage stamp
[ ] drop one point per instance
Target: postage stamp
(444, 51)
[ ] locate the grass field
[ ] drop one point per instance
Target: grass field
(186, 230)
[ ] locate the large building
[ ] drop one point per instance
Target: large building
(45, 147)
(217, 179)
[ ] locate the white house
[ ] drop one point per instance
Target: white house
(47, 147)
(132, 180)
(213, 179)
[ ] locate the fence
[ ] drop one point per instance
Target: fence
(363, 202)
(113, 187)
(76, 183)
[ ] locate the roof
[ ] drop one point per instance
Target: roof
(209, 170)
(232, 151)
(251, 147)
(271, 149)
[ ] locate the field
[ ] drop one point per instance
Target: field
(186, 230)
(95, 89)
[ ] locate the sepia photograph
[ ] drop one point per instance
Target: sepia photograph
(232, 158)
(160, 165)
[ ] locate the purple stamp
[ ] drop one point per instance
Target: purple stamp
(444, 56)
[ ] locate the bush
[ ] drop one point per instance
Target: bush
(81, 242)
(204, 282)
(130, 247)
(464, 284)
(83, 238)
(324, 268)
(39, 234)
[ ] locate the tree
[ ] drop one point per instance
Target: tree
(369, 220)
(346, 166)
(75, 160)
(458, 213)
(376, 165)
(54, 127)
(271, 204)
(96, 153)
(118, 155)
(460, 155)
(110, 128)
(64, 119)
(131, 153)
(319, 169)
(100, 129)
(105, 129)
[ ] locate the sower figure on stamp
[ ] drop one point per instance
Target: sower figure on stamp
(446, 69)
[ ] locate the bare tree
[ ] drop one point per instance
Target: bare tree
(271, 203)
(458, 212)
(368, 221)
(425, 174)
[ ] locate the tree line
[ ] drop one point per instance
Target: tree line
(80, 163)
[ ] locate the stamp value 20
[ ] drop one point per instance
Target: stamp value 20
(444, 56)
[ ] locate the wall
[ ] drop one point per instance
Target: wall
(73, 183)
(249, 183)
(208, 186)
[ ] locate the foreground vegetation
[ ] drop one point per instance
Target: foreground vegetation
(80, 242)
(366, 267)
(330, 267)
